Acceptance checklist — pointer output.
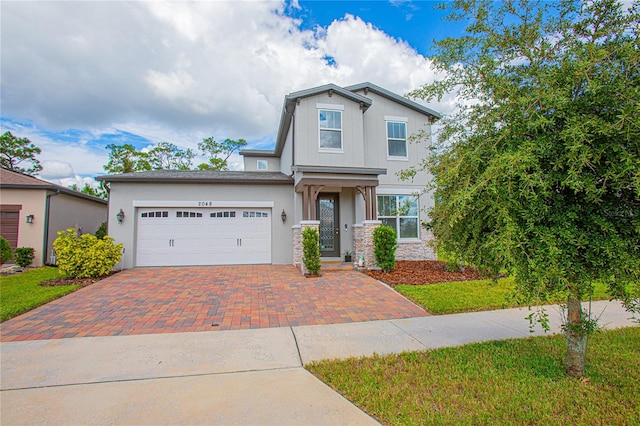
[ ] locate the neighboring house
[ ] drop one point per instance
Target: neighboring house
(33, 211)
(334, 167)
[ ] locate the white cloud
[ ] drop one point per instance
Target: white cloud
(179, 71)
(56, 170)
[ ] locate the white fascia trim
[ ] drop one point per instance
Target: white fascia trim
(395, 118)
(202, 203)
(330, 106)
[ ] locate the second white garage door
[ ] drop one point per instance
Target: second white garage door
(188, 236)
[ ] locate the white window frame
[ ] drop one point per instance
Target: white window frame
(261, 162)
(331, 108)
(398, 120)
(398, 216)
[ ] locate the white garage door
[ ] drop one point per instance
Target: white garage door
(195, 236)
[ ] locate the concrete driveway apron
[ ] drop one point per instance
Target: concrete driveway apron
(187, 299)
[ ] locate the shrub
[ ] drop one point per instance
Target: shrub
(384, 247)
(101, 232)
(5, 250)
(85, 256)
(311, 250)
(24, 256)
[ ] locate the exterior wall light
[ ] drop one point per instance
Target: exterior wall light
(283, 216)
(29, 218)
(120, 216)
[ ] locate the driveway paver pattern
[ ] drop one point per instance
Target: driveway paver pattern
(209, 298)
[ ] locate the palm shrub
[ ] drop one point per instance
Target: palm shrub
(5, 250)
(311, 250)
(85, 256)
(384, 247)
(24, 256)
(101, 232)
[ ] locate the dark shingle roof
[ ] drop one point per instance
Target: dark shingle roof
(201, 176)
(14, 180)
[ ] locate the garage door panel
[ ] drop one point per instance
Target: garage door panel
(188, 236)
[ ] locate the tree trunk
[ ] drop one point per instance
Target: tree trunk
(576, 338)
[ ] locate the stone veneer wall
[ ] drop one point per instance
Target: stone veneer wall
(363, 243)
(419, 250)
(297, 241)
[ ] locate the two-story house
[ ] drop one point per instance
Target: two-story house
(334, 166)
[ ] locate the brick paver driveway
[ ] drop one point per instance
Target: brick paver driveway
(181, 299)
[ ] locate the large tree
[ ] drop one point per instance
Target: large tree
(14, 151)
(219, 152)
(126, 159)
(538, 172)
(167, 156)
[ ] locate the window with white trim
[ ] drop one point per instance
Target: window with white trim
(401, 213)
(330, 123)
(262, 165)
(397, 139)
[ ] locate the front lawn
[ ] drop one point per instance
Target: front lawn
(518, 381)
(467, 296)
(20, 293)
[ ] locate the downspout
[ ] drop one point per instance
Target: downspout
(47, 206)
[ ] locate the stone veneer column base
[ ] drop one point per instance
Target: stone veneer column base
(363, 242)
(297, 242)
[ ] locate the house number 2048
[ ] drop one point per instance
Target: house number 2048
(205, 203)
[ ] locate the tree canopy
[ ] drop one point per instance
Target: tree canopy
(167, 156)
(538, 171)
(219, 152)
(15, 151)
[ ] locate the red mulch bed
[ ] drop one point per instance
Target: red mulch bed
(82, 282)
(419, 272)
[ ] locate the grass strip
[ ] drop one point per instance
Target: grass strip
(20, 293)
(469, 296)
(517, 381)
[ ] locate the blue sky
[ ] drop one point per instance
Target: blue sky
(77, 76)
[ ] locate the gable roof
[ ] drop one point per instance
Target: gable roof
(200, 176)
(14, 180)
(366, 86)
(348, 92)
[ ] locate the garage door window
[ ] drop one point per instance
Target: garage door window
(254, 214)
(223, 214)
(188, 214)
(155, 214)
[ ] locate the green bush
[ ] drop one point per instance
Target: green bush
(101, 232)
(85, 256)
(5, 250)
(384, 247)
(311, 250)
(24, 256)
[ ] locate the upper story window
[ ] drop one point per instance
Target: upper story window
(401, 213)
(397, 139)
(263, 165)
(330, 129)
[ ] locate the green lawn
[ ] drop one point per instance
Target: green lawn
(518, 381)
(20, 293)
(467, 296)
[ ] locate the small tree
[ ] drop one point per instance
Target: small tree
(5, 250)
(538, 172)
(311, 250)
(85, 256)
(384, 247)
(14, 150)
(24, 256)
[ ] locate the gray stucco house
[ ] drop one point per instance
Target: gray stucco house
(334, 167)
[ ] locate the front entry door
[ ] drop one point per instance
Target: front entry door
(327, 208)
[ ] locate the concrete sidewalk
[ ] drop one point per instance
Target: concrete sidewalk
(227, 377)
